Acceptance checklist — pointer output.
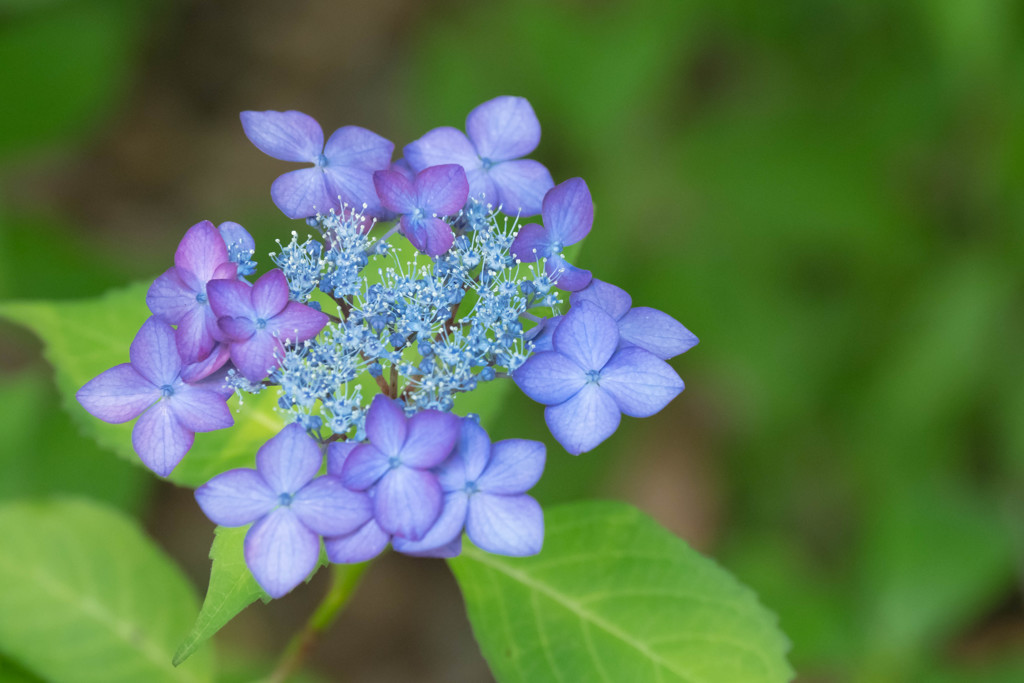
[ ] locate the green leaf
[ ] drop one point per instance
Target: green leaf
(84, 337)
(615, 597)
(231, 590)
(85, 596)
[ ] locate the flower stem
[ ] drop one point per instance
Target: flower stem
(344, 579)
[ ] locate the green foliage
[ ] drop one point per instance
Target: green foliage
(85, 596)
(614, 597)
(232, 589)
(85, 337)
(44, 453)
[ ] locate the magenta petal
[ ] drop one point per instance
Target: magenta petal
(199, 409)
(281, 552)
(569, 211)
(230, 298)
(328, 508)
(442, 190)
(613, 300)
(445, 145)
(432, 236)
(200, 370)
(505, 525)
(363, 544)
(236, 497)
(363, 467)
(154, 354)
(118, 394)
(289, 460)
(303, 193)
(169, 298)
(285, 135)
(408, 502)
(160, 440)
(531, 242)
(200, 252)
(358, 147)
(657, 332)
(269, 294)
(298, 322)
(257, 356)
(386, 425)
(566, 276)
(640, 382)
(337, 454)
(431, 437)
(584, 421)
(515, 467)
(587, 335)
(447, 528)
(194, 337)
(503, 128)
(521, 186)
(549, 377)
(396, 192)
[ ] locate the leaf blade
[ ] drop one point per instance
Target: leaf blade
(610, 596)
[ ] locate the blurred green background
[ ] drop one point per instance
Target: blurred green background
(829, 194)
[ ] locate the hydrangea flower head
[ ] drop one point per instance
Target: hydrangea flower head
(500, 132)
(150, 386)
(343, 167)
(290, 506)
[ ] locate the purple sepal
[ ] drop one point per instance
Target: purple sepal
(503, 128)
(506, 525)
(280, 551)
(613, 300)
(160, 440)
(407, 502)
(363, 544)
(640, 382)
(236, 497)
(655, 331)
(118, 394)
(521, 185)
(588, 336)
(284, 135)
(549, 377)
(584, 421)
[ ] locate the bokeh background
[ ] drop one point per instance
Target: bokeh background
(829, 194)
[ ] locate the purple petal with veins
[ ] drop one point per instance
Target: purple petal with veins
(407, 502)
(363, 544)
(160, 440)
(445, 145)
(236, 497)
(396, 192)
(298, 322)
(269, 294)
(588, 336)
(199, 409)
(568, 211)
(515, 467)
(199, 254)
(285, 135)
(506, 525)
(303, 193)
(640, 382)
(289, 460)
(441, 189)
(503, 128)
(531, 243)
(657, 332)
(549, 377)
(613, 300)
(386, 425)
(521, 186)
(118, 394)
(280, 551)
(584, 421)
(431, 437)
(154, 353)
(328, 508)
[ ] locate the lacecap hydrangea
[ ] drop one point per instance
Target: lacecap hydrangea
(407, 283)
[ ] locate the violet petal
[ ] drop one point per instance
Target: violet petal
(432, 236)
(613, 300)
(363, 544)
(358, 147)
(285, 135)
(567, 277)
(442, 190)
(297, 322)
(396, 192)
(569, 211)
(521, 186)
(269, 294)
(160, 441)
(363, 467)
(303, 193)
(337, 454)
(584, 421)
(657, 332)
(515, 467)
(640, 382)
(118, 394)
(199, 253)
(549, 377)
(281, 552)
(168, 297)
(503, 128)
(236, 497)
(587, 335)
(407, 502)
(257, 356)
(447, 528)
(386, 425)
(199, 409)
(505, 525)
(230, 298)
(531, 243)
(328, 508)
(431, 436)
(289, 460)
(154, 354)
(445, 145)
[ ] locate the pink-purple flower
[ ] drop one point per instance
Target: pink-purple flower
(257, 320)
(434, 191)
(568, 214)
